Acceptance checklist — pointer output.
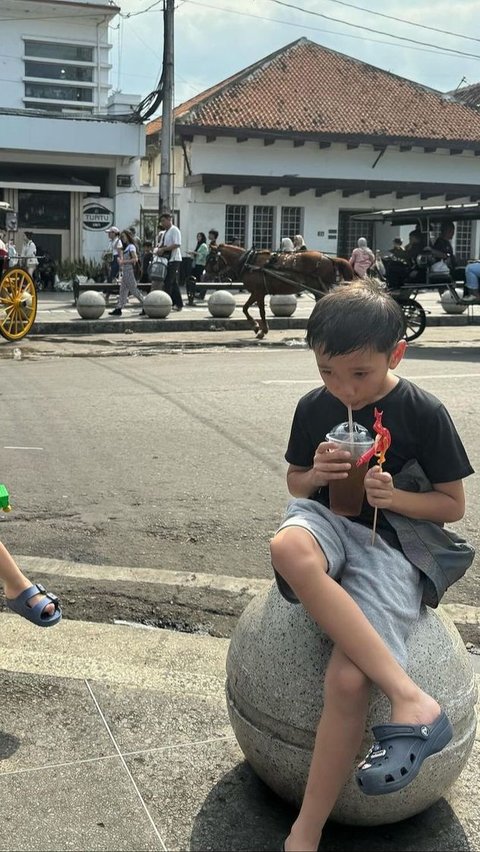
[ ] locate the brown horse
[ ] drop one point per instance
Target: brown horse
(265, 272)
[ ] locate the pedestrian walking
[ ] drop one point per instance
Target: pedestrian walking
(362, 258)
(12, 254)
(128, 283)
(116, 249)
(169, 248)
(29, 254)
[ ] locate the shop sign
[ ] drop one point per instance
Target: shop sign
(96, 217)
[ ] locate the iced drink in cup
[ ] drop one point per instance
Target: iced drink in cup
(346, 495)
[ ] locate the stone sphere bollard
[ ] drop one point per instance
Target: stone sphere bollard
(283, 305)
(90, 304)
(157, 304)
(221, 304)
(275, 669)
(449, 305)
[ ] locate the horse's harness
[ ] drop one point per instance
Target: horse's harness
(246, 263)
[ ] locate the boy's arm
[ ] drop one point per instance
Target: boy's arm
(444, 504)
(301, 481)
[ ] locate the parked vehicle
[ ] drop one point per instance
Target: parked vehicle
(18, 295)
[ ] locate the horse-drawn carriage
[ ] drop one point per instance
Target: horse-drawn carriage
(422, 274)
(18, 296)
(266, 273)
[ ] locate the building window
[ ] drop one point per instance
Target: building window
(58, 71)
(64, 64)
(56, 50)
(39, 209)
(291, 222)
(236, 223)
(463, 242)
(47, 92)
(263, 226)
(349, 231)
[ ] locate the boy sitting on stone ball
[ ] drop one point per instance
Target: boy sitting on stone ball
(366, 597)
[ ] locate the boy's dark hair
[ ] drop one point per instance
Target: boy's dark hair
(355, 316)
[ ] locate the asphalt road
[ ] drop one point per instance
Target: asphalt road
(175, 461)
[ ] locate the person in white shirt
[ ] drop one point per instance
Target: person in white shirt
(29, 253)
(12, 254)
(169, 248)
(116, 250)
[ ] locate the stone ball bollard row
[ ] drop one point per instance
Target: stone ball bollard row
(275, 670)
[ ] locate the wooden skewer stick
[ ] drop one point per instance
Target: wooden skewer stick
(375, 516)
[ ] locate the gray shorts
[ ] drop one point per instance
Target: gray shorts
(385, 585)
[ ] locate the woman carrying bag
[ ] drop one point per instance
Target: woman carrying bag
(128, 284)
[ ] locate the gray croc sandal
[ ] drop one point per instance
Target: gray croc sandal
(397, 755)
(36, 613)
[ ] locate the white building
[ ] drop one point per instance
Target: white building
(307, 136)
(68, 160)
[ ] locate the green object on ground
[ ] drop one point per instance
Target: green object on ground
(4, 499)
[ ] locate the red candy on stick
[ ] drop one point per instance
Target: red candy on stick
(382, 442)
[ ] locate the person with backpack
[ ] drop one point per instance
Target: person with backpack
(129, 266)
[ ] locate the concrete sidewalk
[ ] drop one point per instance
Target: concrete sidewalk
(116, 738)
(57, 315)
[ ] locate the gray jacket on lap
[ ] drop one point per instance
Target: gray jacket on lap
(440, 554)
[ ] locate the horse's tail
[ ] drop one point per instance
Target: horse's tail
(343, 269)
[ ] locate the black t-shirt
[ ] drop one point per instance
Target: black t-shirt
(420, 426)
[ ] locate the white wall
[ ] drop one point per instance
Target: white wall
(89, 30)
(76, 136)
(201, 211)
(226, 156)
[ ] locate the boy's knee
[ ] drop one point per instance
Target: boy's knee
(345, 682)
(293, 546)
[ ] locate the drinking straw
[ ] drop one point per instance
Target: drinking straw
(350, 422)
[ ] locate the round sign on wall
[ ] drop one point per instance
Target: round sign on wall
(96, 217)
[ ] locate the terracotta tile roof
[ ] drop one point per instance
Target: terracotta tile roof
(309, 90)
(469, 95)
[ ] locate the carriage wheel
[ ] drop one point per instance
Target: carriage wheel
(18, 304)
(415, 318)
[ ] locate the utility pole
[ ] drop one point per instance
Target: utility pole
(165, 191)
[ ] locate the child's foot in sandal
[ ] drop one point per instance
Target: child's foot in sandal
(35, 604)
(398, 753)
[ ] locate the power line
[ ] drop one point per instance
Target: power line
(371, 30)
(437, 50)
(404, 21)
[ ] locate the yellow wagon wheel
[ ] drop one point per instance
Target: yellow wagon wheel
(18, 304)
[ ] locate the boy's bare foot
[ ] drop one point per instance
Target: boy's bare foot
(416, 709)
(13, 590)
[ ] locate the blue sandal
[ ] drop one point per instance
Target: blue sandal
(397, 754)
(36, 613)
